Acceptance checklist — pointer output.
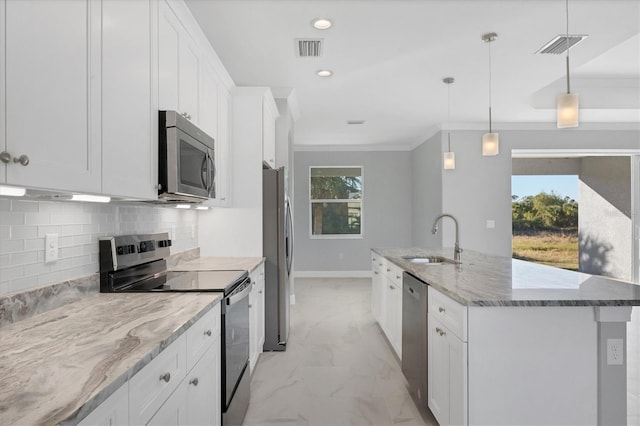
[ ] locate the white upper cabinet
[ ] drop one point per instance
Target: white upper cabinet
(52, 97)
(208, 99)
(168, 42)
(129, 101)
(178, 66)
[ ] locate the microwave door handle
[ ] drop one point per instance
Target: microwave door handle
(212, 175)
(204, 173)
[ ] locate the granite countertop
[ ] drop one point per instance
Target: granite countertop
(219, 264)
(484, 280)
(59, 365)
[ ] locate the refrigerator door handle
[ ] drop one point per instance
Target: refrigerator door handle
(289, 236)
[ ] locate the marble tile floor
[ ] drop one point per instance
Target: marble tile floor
(338, 368)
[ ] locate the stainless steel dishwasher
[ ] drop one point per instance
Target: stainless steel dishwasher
(414, 336)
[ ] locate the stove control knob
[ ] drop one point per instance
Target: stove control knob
(120, 250)
(143, 247)
(132, 248)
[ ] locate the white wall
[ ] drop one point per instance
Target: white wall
(24, 223)
(386, 210)
(426, 168)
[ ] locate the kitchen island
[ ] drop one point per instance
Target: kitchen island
(519, 343)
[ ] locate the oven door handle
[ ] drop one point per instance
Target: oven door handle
(233, 299)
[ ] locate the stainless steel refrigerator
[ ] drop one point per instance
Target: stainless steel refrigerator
(277, 248)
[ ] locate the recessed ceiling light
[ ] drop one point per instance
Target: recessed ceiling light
(202, 208)
(322, 24)
(183, 206)
(325, 73)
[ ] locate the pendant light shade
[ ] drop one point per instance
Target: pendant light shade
(449, 157)
(490, 144)
(449, 160)
(568, 106)
(567, 113)
(490, 140)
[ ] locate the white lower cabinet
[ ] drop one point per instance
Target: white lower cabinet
(256, 316)
(114, 411)
(181, 386)
(386, 299)
(447, 361)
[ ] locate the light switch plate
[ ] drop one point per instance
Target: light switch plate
(50, 248)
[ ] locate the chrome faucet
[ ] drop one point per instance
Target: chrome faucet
(456, 250)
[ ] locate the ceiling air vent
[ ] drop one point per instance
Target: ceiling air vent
(559, 44)
(309, 48)
(354, 122)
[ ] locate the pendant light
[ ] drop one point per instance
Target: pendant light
(567, 113)
(490, 141)
(449, 158)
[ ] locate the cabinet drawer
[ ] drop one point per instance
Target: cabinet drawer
(394, 273)
(378, 262)
(450, 313)
(152, 385)
(201, 335)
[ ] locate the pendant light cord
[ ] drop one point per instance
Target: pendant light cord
(567, 38)
(449, 113)
(490, 131)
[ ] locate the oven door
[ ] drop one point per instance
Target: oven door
(190, 165)
(235, 343)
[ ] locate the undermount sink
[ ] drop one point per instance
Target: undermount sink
(428, 260)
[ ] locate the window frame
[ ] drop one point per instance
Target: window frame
(361, 201)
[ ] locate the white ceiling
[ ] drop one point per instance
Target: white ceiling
(389, 58)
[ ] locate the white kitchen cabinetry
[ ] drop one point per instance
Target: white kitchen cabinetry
(386, 299)
(178, 66)
(377, 288)
(270, 113)
(180, 386)
(447, 359)
(114, 411)
(51, 98)
(129, 99)
(256, 316)
(223, 151)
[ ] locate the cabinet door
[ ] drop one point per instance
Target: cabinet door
(253, 327)
(223, 151)
(457, 380)
(269, 138)
(129, 115)
(203, 389)
(380, 293)
(208, 98)
(392, 324)
(188, 78)
(52, 63)
(174, 410)
(260, 310)
(438, 371)
(168, 41)
(114, 411)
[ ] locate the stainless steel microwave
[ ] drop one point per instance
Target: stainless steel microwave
(186, 169)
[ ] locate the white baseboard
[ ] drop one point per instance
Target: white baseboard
(332, 274)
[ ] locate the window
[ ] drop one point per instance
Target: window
(335, 196)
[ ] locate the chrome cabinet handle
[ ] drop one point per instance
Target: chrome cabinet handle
(23, 160)
(5, 157)
(391, 287)
(223, 198)
(194, 381)
(165, 377)
(250, 306)
(397, 277)
(440, 309)
(208, 333)
(375, 272)
(440, 332)
(260, 292)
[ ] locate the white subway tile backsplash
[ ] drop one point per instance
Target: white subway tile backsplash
(24, 223)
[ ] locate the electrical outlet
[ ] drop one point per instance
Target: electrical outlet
(614, 352)
(491, 224)
(50, 248)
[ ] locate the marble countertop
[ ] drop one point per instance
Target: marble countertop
(59, 365)
(207, 263)
(484, 280)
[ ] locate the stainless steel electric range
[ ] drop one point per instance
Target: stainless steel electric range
(137, 264)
